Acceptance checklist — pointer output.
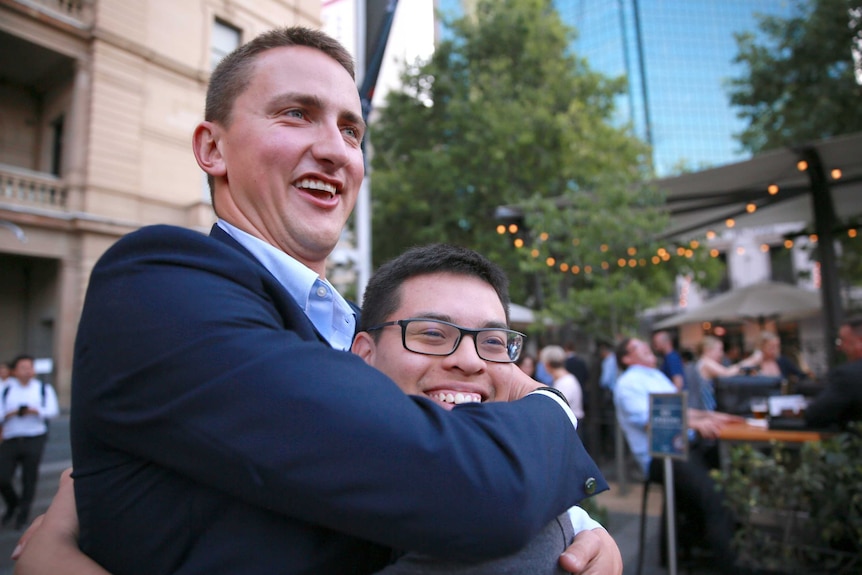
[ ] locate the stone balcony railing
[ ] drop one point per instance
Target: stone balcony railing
(76, 12)
(32, 189)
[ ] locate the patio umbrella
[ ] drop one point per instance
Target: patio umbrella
(520, 315)
(766, 300)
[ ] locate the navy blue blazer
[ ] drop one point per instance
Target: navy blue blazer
(214, 431)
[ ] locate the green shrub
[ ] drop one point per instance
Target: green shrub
(800, 510)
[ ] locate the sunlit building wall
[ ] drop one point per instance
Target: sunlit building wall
(98, 101)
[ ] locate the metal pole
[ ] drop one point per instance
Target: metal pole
(670, 511)
(363, 237)
(824, 227)
(620, 451)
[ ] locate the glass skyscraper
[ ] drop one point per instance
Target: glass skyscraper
(676, 56)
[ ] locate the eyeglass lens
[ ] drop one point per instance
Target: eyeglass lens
(438, 338)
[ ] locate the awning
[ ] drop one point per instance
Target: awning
(702, 201)
(758, 302)
(824, 194)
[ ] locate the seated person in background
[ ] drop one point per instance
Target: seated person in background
(709, 366)
(695, 490)
(553, 357)
(671, 362)
(773, 363)
(411, 330)
(841, 401)
(608, 378)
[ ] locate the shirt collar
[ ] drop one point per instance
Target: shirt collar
(338, 325)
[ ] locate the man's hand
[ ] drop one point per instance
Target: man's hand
(593, 552)
(709, 423)
(50, 544)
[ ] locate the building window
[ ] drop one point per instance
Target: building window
(724, 282)
(781, 262)
(57, 145)
(225, 38)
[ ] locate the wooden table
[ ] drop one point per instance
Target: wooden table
(745, 433)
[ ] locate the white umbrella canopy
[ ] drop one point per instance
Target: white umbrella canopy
(766, 300)
(520, 315)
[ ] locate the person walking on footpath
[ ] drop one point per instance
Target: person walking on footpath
(27, 403)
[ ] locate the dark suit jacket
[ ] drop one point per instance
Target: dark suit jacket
(841, 401)
(578, 367)
(213, 431)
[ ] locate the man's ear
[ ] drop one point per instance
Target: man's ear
(364, 346)
(206, 143)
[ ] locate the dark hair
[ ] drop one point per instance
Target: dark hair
(622, 350)
(602, 343)
(233, 74)
(19, 358)
(383, 293)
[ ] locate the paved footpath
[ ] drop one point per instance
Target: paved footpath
(623, 511)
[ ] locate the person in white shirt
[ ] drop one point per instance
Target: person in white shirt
(27, 403)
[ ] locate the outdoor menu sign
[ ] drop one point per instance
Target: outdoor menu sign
(668, 425)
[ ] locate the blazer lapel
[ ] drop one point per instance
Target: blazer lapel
(291, 313)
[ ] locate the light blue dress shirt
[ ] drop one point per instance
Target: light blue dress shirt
(328, 311)
(631, 399)
(609, 372)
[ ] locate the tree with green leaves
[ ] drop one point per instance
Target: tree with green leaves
(800, 82)
(803, 82)
(503, 114)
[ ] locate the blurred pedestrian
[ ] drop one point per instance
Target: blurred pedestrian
(527, 363)
(553, 357)
(576, 365)
(27, 403)
(671, 364)
(608, 377)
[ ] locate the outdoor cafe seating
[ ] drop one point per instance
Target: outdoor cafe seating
(782, 418)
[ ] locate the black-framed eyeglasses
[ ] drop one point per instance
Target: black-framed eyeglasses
(438, 337)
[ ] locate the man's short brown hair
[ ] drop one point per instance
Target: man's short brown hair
(233, 73)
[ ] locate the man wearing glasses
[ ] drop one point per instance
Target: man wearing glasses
(435, 319)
